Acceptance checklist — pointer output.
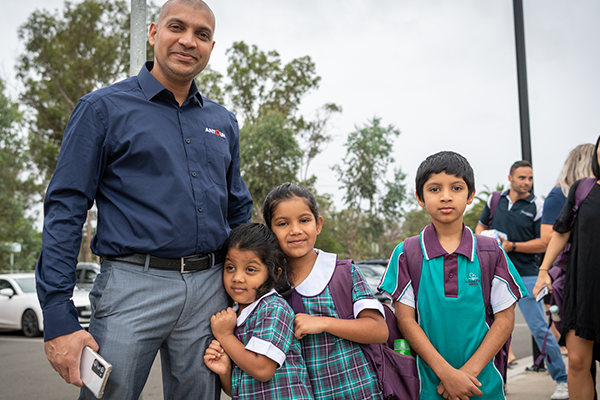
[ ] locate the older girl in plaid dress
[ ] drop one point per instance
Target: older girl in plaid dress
(330, 345)
(255, 352)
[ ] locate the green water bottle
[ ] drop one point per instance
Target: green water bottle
(401, 346)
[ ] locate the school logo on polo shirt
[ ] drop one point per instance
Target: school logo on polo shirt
(472, 279)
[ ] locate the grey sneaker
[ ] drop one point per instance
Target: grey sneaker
(561, 392)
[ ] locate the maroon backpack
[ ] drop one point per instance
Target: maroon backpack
(396, 373)
(487, 252)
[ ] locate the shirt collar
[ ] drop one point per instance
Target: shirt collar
(319, 276)
(248, 310)
(151, 87)
(432, 247)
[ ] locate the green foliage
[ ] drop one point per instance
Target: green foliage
(276, 145)
(260, 84)
(17, 192)
(370, 212)
(471, 217)
(269, 155)
(67, 55)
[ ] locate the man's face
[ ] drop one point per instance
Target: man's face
(183, 41)
(521, 180)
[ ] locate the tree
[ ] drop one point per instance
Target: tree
(276, 144)
(269, 156)
(368, 155)
(68, 55)
(17, 191)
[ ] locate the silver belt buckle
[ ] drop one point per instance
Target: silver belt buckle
(211, 256)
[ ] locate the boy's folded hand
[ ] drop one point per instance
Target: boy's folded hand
(458, 384)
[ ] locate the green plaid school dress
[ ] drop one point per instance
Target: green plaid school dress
(267, 327)
(336, 366)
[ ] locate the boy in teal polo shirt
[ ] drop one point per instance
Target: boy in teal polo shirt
(455, 346)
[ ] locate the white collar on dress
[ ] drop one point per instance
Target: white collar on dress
(248, 310)
(319, 277)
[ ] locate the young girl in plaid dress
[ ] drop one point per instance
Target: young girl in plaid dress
(336, 365)
(255, 352)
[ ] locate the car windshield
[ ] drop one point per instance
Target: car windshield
(27, 284)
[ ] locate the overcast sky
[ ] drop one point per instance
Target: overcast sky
(441, 71)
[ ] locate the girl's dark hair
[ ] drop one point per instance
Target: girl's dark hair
(284, 192)
(445, 161)
(595, 166)
(260, 240)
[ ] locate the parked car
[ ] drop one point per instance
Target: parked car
(20, 308)
(373, 270)
(86, 275)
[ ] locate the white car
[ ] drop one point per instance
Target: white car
(20, 308)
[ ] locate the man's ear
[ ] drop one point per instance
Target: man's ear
(152, 34)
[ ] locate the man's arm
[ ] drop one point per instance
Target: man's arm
(70, 194)
(530, 246)
(480, 228)
(239, 210)
(456, 383)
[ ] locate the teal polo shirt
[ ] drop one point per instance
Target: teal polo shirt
(450, 306)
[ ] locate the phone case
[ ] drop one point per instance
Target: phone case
(94, 371)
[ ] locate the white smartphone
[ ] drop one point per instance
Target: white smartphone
(94, 371)
(542, 293)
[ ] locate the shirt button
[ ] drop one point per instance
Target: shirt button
(194, 174)
(188, 140)
(450, 275)
(180, 111)
(200, 209)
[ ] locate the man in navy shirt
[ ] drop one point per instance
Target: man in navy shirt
(518, 215)
(162, 163)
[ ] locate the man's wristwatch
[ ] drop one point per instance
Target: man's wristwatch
(514, 246)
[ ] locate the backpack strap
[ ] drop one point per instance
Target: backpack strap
(340, 287)
(583, 190)
(414, 259)
(487, 252)
(493, 205)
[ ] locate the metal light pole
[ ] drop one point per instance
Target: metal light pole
(137, 44)
(522, 80)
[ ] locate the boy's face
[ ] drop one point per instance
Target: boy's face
(445, 197)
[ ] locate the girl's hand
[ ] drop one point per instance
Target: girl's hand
(542, 280)
(223, 323)
(216, 359)
(305, 324)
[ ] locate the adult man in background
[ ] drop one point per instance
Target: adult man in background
(518, 214)
(162, 163)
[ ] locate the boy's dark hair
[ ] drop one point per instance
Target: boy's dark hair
(595, 165)
(519, 164)
(260, 240)
(284, 192)
(445, 161)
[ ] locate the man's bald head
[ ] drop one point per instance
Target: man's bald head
(199, 4)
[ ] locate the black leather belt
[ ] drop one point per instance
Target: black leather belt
(198, 262)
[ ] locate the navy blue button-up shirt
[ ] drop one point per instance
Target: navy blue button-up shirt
(166, 180)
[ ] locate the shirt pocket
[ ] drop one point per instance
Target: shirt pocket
(218, 157)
